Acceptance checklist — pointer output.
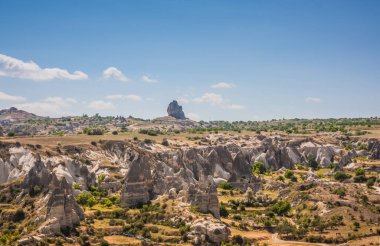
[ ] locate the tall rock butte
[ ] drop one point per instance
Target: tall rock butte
(175, 110)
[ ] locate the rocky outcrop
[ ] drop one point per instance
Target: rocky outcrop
(208, 232)
(58, 210)
(175, 110)
(374, 149)
(62, 211)
(74, 172)
(18, 164)
(204, 196)
(138, 183)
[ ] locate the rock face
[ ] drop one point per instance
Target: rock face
(137, 187)
(208, 232)
(175, 110)
(58, 209)
(204, 196)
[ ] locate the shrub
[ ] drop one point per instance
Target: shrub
(148, 141)
(371, 181)
(341, 176)
(341, 192)
(280, 208)
(312, 162)
(223, 211)
(104, 243)
(19, 215)
(258, 167)
(77, 186)
(289, 174)
(115, 133)
(237, 240)
(226, 185)
(11, 134)
(165, 142)
(360, 172)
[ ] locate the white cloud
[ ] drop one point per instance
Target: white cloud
(313, 99)
(6, 97)
(135, 98)
(211, 98)
(15, 68)
(114, 73)
(148, 79)
(222, 85)
(234, 107)
(193, 116)
(101, 105)
(49, 106)
(217, 100)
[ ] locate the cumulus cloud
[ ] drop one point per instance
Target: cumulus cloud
(101, 105)
(235, 106)
(313, 99)
(211, 98)
(222, 85)
(148, 79)
(135, 98)
(217, 100)
(15, 68)
(48, 106)
(6, 97)
(114, 73)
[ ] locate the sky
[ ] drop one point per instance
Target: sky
(222, 60)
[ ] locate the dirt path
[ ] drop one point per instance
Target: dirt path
(276, 241)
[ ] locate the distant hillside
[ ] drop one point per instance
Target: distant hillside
(13, 114)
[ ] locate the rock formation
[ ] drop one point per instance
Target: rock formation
(136, 189)
(204, 196)
(175, 110)
(208, 232)
(58, 209)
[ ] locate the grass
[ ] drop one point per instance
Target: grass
(122, 240)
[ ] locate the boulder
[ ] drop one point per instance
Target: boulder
(208, 232)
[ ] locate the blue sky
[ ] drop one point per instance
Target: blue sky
(223, 60)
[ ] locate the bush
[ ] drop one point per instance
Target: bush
(359, 172)
(19, 215)
(371, 181)
(258, 167)
(115, 133)
(148, 141)
(237, 240)
(312, 163)
(86, 199)
(11, 134)
(341, 192)
(341, 176)
(280, 208)
(226, 186)
(165, 142)
(289, 174)
(223, 211)
(104, 243)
